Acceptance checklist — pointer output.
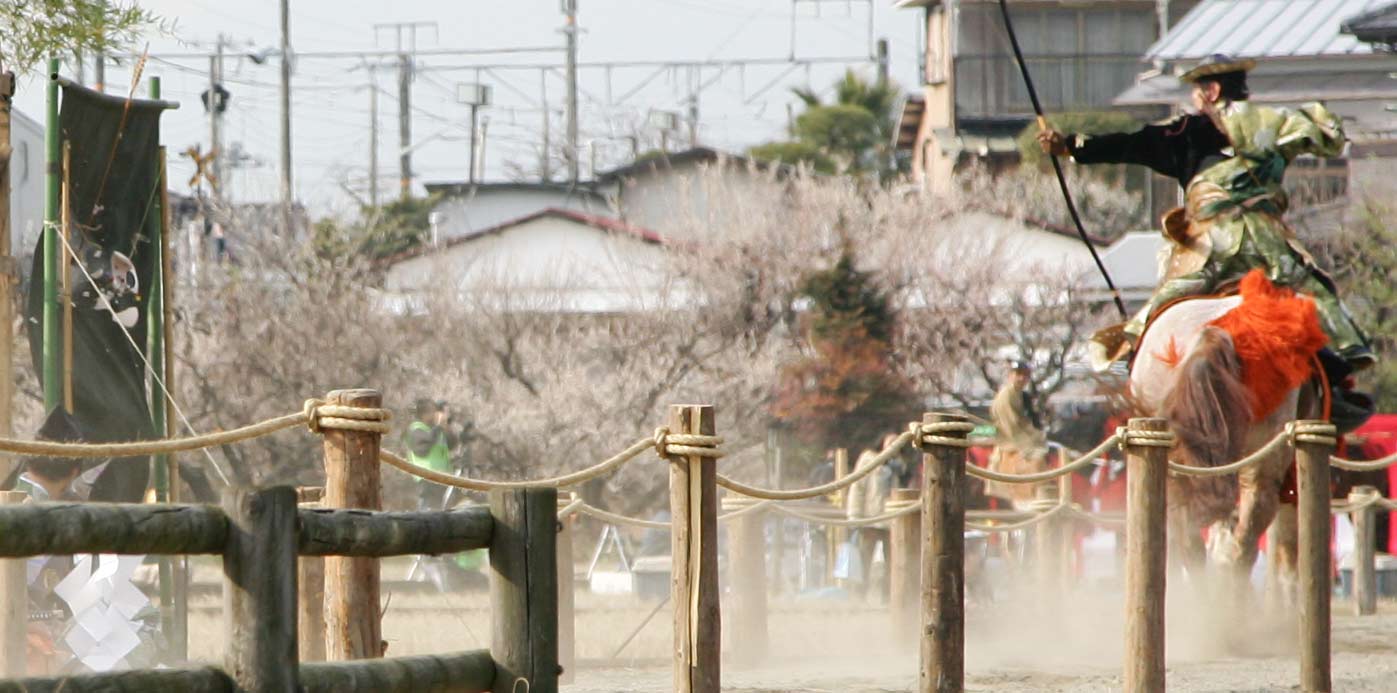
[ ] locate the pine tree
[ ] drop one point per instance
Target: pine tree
(847, 393)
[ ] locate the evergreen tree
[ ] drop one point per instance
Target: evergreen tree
(847, 393)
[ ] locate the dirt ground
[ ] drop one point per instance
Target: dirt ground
(1023, 645)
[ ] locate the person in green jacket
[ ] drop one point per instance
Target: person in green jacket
(1230, 157)
(429, 445)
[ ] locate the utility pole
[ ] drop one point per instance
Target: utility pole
(475, 133)
(373, 136)
(214, 104)
(570, 32)
(287, 222)
(99, 72)
(405, 77)
(9, 269)
(484, 128)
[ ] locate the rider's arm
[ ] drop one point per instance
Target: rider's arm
(1162, 147)
(1312, 129)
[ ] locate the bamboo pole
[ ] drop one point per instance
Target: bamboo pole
(9, 273)
(14, 606)
(352, 480)
(1312, 492)
(693, 502)
(179, 572)
(943, 562)
(53, 394)
(1146, 552)
(66, 277)
(1365, 577)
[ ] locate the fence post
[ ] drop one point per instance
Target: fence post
(693, 504)
(352, 480)
(567, 624)
(1147, 467)
(1365, 577)
(943, 556)
(259, 590)
(747, 635)
(524, 590)
(1047, 545)
(904, 566)
(1312, 450)
(14, 603)
(311, 585)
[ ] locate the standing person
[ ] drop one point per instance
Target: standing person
(1230, 157)
(429, 446)
(1020, 445)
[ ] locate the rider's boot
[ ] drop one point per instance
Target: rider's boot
(1348, 408)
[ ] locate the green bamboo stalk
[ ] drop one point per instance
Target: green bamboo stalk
(53, 383)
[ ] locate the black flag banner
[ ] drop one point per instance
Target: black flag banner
(114, 179)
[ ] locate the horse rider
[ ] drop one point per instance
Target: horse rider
(1230, 158)
(1018, 428)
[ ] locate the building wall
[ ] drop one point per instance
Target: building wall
(678, 203)
(26, 186)
(934, 169)
(462, 215)
(548, 264)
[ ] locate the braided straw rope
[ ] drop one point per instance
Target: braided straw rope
(800, 494)
(317, 415)
(552, 482)
(1024, 524)
(1083, 461)
(860, 522)
(1280, 440)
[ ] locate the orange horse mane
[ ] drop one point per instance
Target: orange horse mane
(1275, 333)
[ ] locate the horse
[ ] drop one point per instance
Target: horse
(1228, 373)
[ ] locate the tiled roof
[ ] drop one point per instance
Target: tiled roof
(1264, 29)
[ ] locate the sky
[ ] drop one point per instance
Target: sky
(330, 97)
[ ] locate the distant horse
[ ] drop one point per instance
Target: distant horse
(1228, 373)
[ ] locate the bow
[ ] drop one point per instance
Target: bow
(1057, 166)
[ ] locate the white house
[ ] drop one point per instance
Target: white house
(671, 193)
(26, 186)
(554, 260)
(467, 208)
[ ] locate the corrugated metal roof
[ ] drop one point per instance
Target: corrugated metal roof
(1264, 29)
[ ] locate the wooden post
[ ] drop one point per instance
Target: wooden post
(14, 605)
(311, 572)
(835, 536)
(524, 590)
(259, 590)
(352, 480)
(1312, 491)
(567, 624)
(1048, 547)
(943, 559)
(693, 504)
(904, 567)
(1147, 469)
(1365, 577)
(747, 634)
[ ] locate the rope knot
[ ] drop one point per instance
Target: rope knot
(1145, 439)
(669, 445)
(950, 434)
(1317, 432)
(321, 417)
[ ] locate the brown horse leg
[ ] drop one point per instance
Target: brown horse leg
(1281, 550)
(1254, 514)
(1185, 546)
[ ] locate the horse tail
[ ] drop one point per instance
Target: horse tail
(1209, 407)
